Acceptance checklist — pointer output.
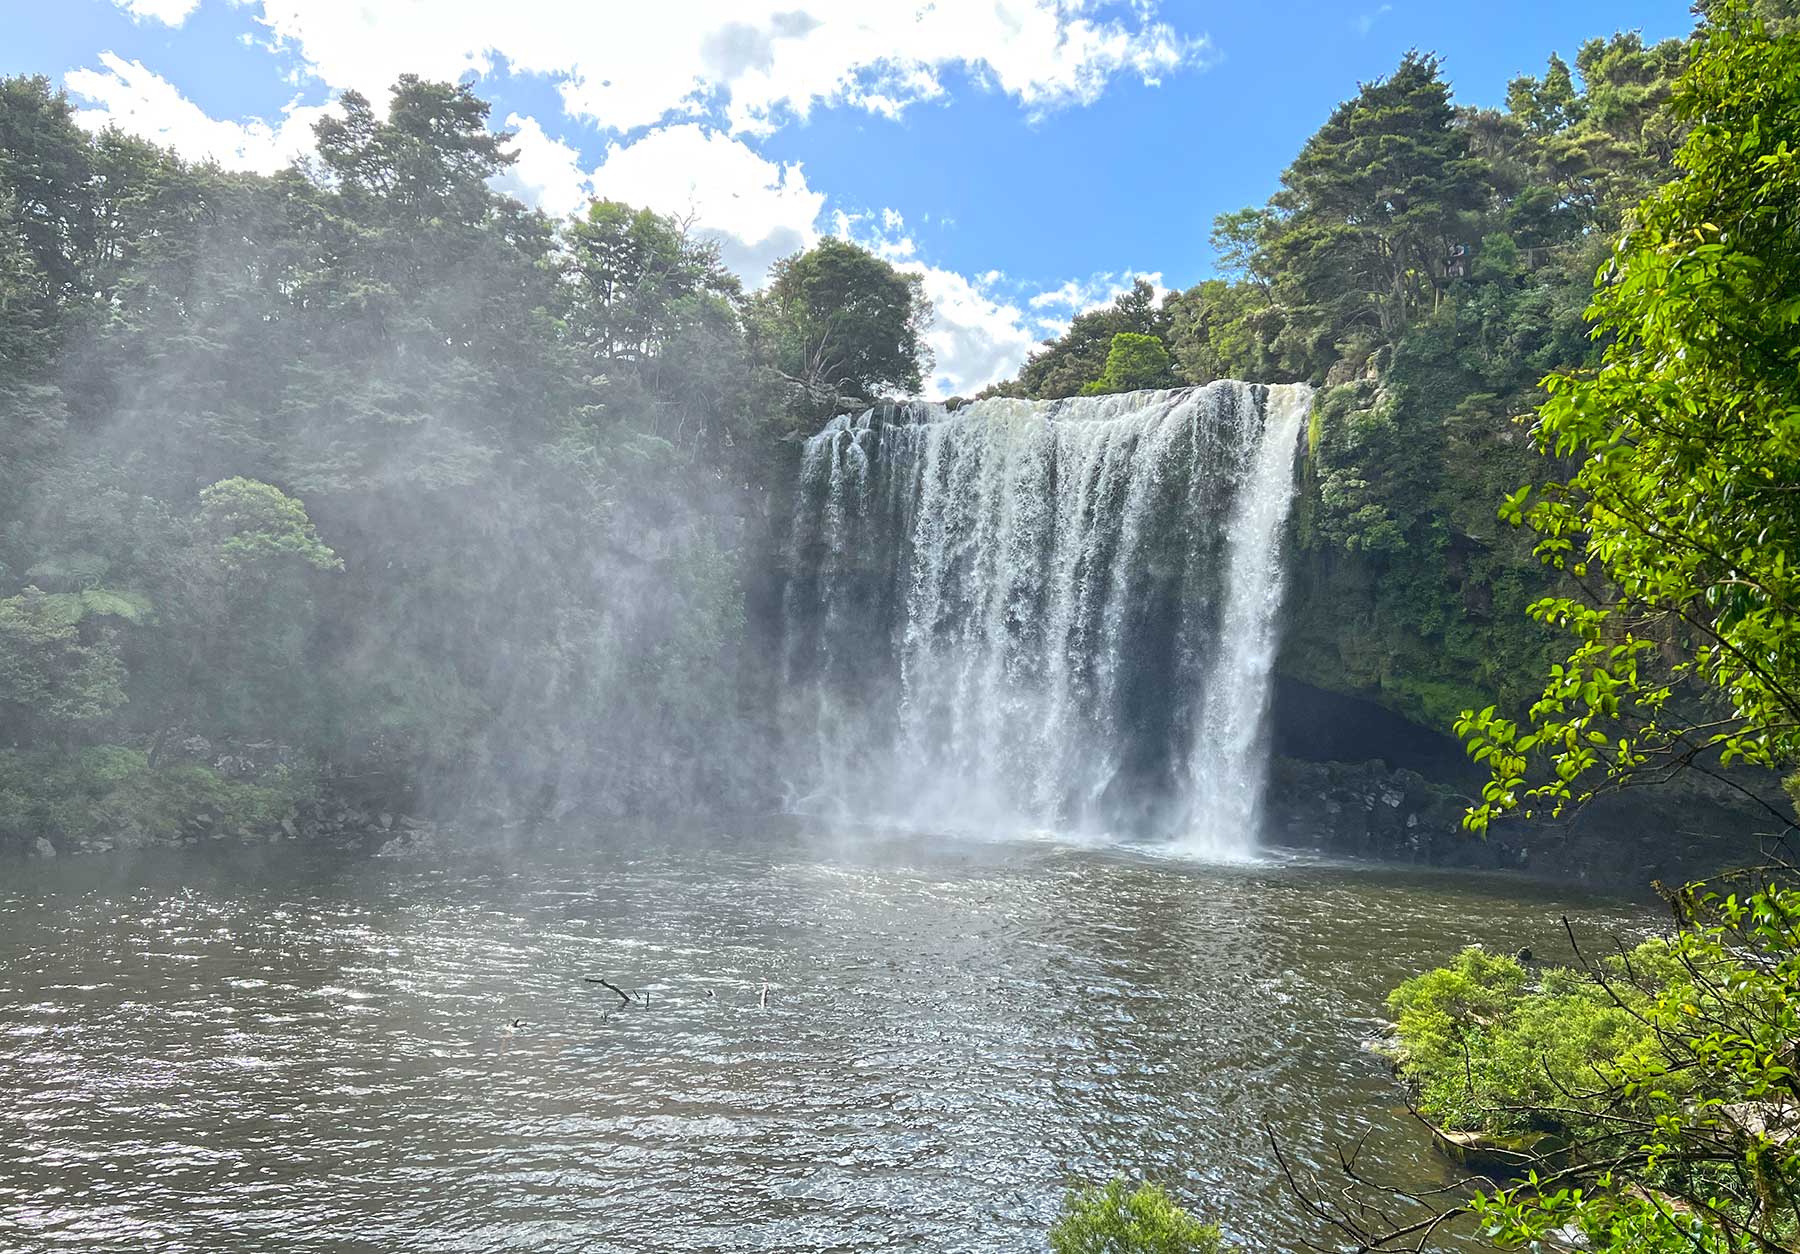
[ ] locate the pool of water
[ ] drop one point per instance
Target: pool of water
(282, 1048)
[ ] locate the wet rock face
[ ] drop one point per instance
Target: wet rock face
(1366, 810)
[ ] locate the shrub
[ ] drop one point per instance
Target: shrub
(1116, 1219)
(1485, 1048)
(113, 793)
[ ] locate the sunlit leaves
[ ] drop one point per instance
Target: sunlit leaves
(1687, 461)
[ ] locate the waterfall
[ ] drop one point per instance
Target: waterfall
(1229, 763)
(1044, 613)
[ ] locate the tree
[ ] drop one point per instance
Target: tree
(1068, 363)
(1373, 203)
(249, 527)
(1591, 154)
(1680, 521)
(237, 602)
(632, 267)
(1240, 238)
(32, 413)
(44, 165)
(1133, 362)
(842, 326)
(1220, 330)
(430, 159)
(56, 679)
(1545, 105)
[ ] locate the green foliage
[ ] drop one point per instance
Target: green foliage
(1220, 330)
(1548, 105)
(1069, 363)
(430, 159)
(1373, 204)
(1117, 1219)
(1485, 1050)
(842, 326)
(634, 270)
(55, 677)
(1665, 1076)
(1240, 239)
(111, 793)
(250, 523)
(1133, 362)
(44, 166)
(1686, 443)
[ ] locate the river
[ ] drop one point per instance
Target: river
(277, 1047)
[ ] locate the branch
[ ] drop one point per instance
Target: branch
(623, 996)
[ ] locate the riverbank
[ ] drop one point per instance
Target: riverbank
(108, 799)
(1624, 841)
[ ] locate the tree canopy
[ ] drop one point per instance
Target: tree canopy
(1681, 519)
(842, 326)
(366, 469)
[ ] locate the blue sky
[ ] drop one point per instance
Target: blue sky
(1026, 156)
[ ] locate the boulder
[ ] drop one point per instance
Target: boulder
(43, 848)
(1495, 1154)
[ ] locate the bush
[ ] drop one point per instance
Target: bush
(1486, 1049)
(1133, 362)
(1116, 1219)
(107, 792)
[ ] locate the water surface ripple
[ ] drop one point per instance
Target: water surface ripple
(277, 1049)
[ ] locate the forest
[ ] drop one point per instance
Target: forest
(363, 485)
(363, 479)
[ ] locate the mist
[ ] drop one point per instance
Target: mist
(513, 738)
(508, 491)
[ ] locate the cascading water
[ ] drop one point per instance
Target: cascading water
(1045, 613)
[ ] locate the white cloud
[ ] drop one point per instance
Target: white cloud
(976, 337)
(1077, 296)
(140, 102)
(1073, 295)
(168, 12)
(630, 66)
(548, 173)
(1365, 23)
(757, 209)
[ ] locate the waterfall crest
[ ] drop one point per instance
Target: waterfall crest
(1030, 614)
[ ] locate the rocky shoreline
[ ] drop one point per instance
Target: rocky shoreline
(1367, 811)
(1363, 811)
(331, 824)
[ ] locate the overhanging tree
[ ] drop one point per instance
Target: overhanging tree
(842, 326)
(1682, 519)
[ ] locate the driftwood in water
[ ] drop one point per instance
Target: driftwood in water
(623, 996)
